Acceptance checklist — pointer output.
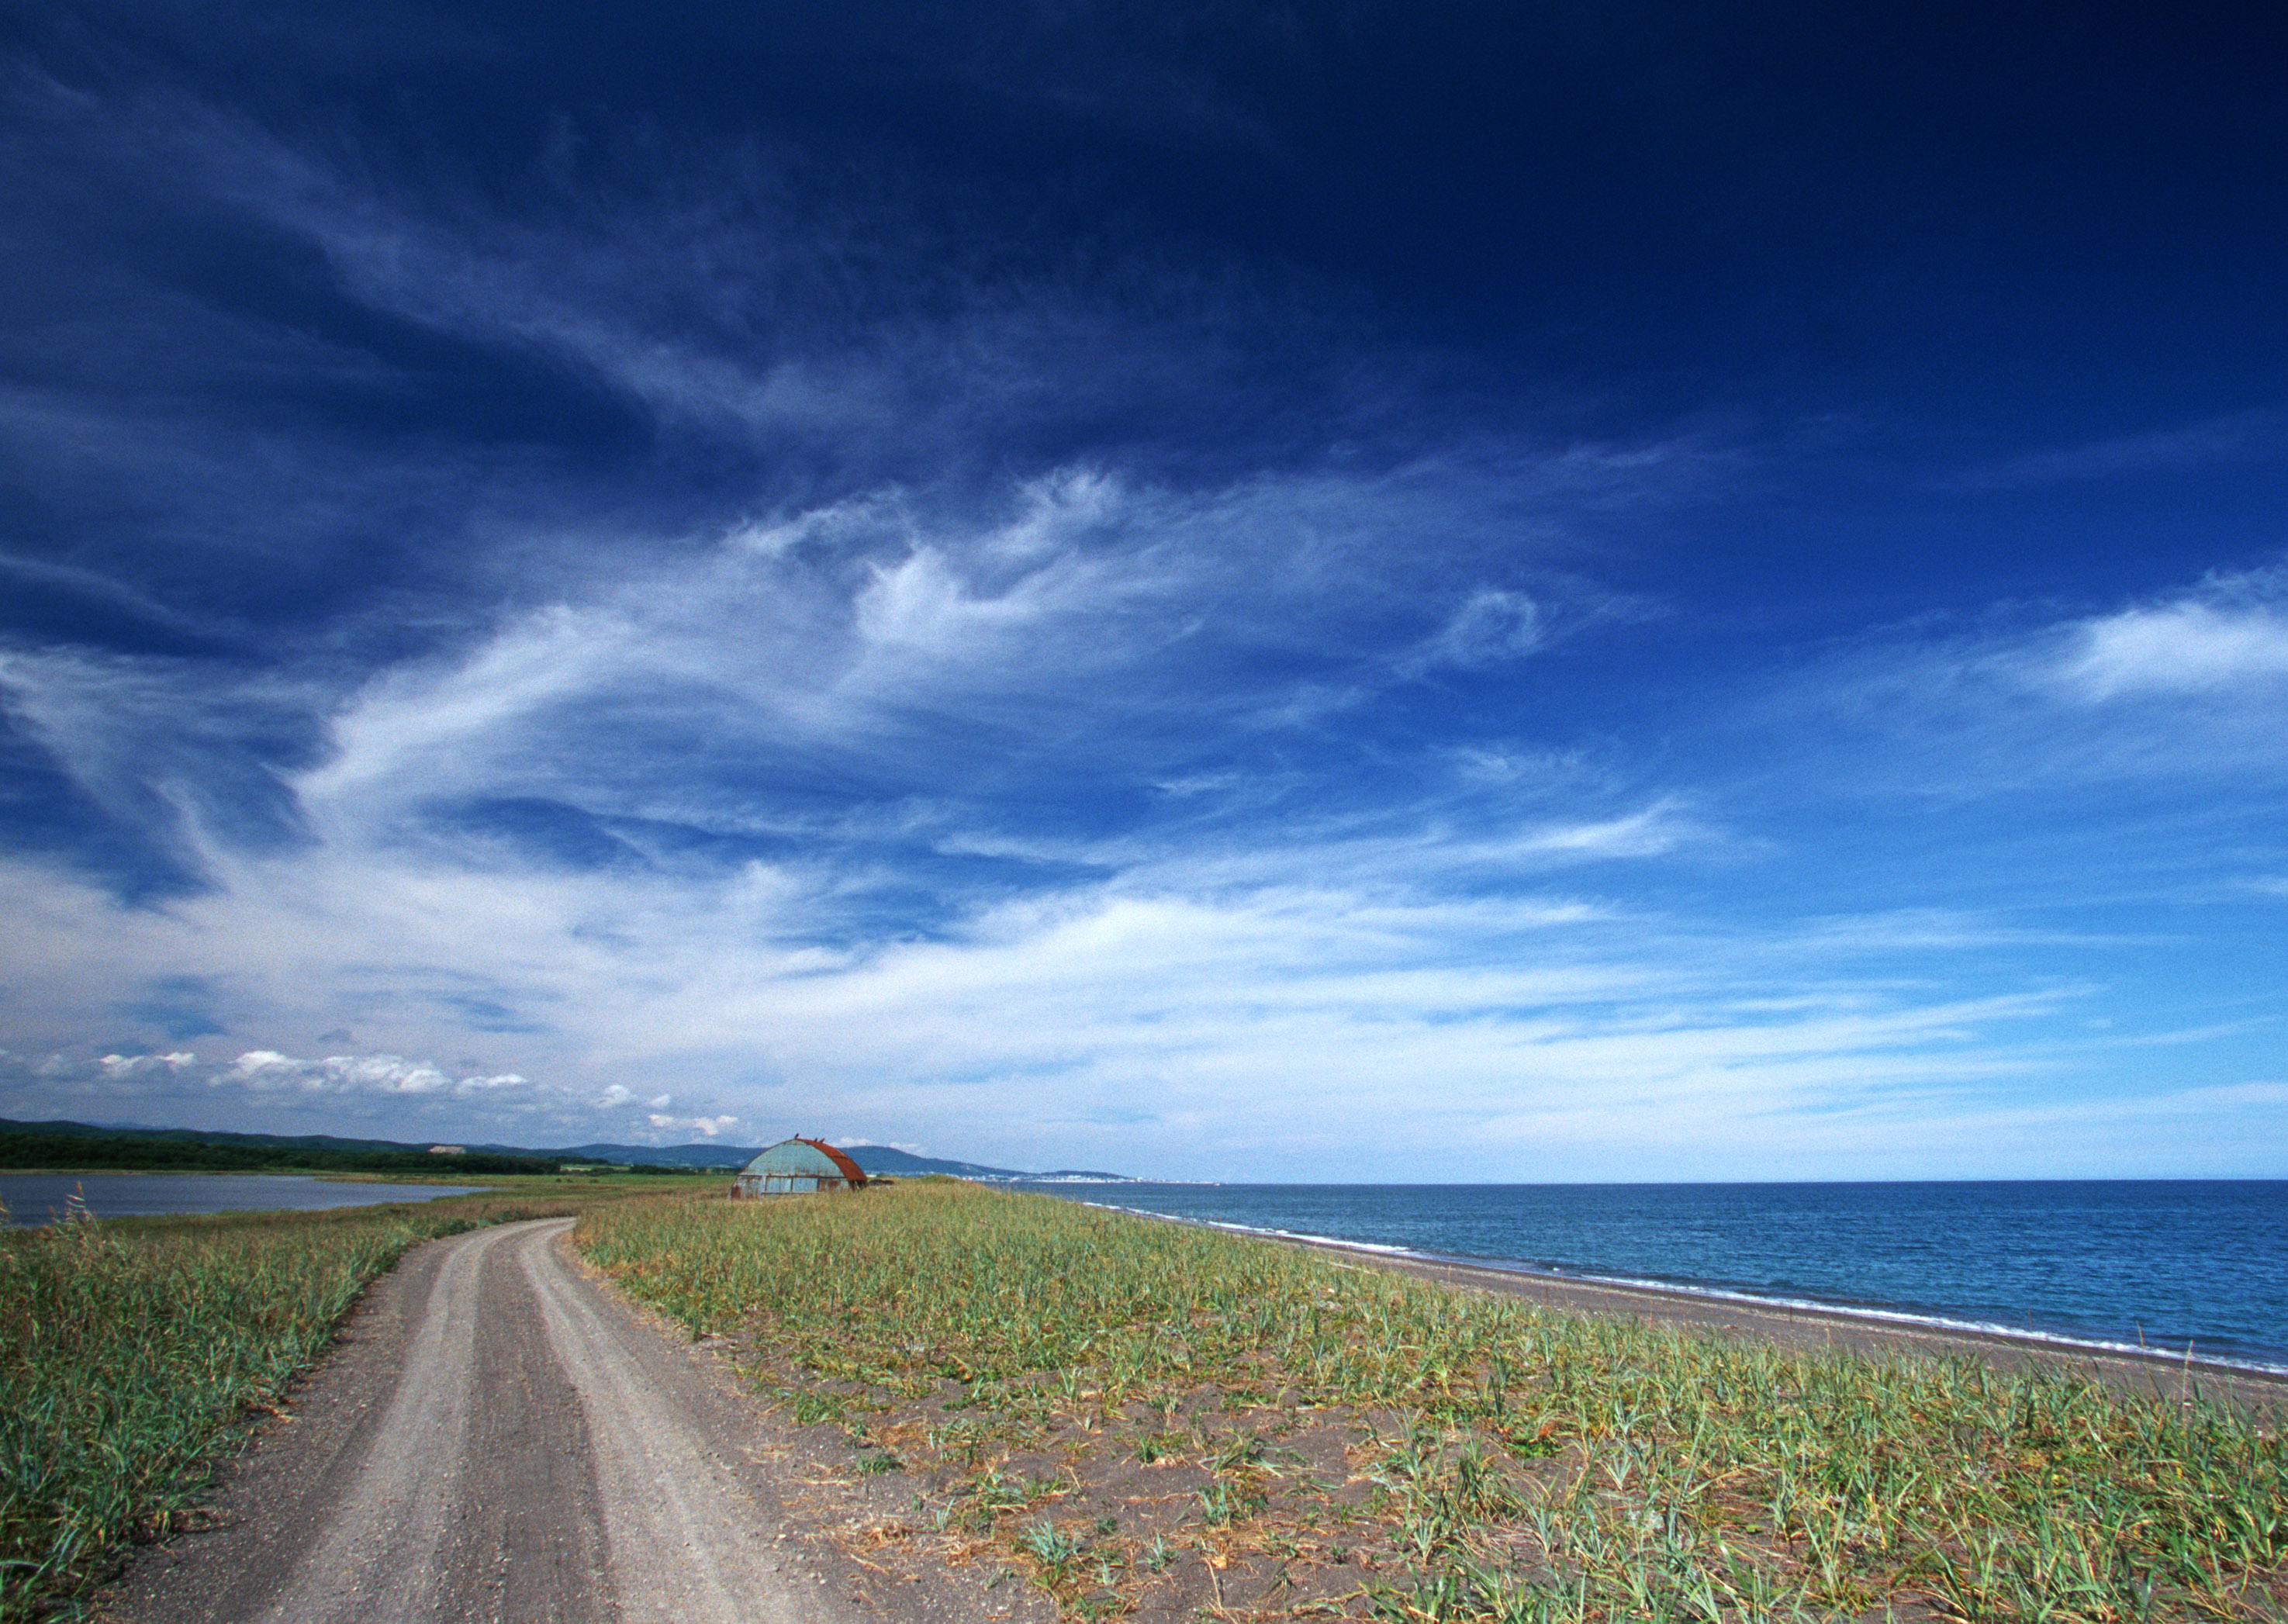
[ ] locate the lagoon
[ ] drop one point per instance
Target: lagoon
(40, 1198)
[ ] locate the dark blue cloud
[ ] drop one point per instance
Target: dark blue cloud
(179, 1006)
(47, 605)
(44, 810)
(1688, 203)
(488, 1015)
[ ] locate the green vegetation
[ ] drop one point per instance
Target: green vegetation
(74, 1147)
(131, 1350)
(1141, 1416)
(79, 1152)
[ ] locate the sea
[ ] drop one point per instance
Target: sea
(43, 1198)
(2174, 1266)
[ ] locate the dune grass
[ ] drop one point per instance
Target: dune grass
(131, 1350)
(1144, 1417)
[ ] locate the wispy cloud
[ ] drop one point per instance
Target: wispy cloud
(1491, 626)
(2184, 682)
(2253, 437)
(751, 959)
(2191, 646)
(1214, 1007)
(703, 621)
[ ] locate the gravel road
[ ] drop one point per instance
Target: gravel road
(498, 1437)
(499, 1440)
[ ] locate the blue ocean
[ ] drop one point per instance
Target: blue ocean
(2167, 1265)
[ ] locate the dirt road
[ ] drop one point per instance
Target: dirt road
(499, 1440)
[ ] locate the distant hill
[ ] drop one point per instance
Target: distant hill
(878, 1159)
(895, 1163)
(254, 1141)
(660, 1155)
(76, 1146)
(887, 1161)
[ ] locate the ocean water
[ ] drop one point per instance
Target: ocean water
(39, 1198)
(2163, 1263)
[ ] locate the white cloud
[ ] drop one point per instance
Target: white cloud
(1251, 1024)
(382, 1092)
(1114, 630)
(831, 528)
(1491, 626)
(381, 1075)
(708, 1127)
(924, 610)
(1259, 993)
(134, 1066)
(2185, 687)
(2186, 647)
(441, 721)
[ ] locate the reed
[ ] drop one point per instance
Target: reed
(1121, 1408)
(133, 1350)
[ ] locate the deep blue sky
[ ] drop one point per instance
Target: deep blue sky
(1599, 591)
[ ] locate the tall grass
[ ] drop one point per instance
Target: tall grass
(130, 1349)
(1520, 1463)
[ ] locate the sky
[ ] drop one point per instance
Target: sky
(1351, 591)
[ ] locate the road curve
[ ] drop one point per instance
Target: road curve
(521, 1449)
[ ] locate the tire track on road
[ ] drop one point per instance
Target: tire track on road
(501, 1442)
(682, 1532)
(378, 1557)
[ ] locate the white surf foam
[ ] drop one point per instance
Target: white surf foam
(1749, 1299)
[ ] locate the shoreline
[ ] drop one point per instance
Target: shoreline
(1153, 1422)
(2171, 1378)
(2253, 1389)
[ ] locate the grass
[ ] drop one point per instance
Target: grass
(131, 1351)
(1147, 1418)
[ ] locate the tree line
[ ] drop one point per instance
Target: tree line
(141, 1156)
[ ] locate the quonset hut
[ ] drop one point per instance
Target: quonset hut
(798, 1167)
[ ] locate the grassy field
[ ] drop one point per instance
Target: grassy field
(1153, 1420)
(132, 1350)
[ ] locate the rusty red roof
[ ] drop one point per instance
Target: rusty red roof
(851, 1170)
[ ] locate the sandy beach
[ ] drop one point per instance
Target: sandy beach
(2162, 1375)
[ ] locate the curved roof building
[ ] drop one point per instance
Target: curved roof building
(797, 1167)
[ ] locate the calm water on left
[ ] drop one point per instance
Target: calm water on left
(39, 1198)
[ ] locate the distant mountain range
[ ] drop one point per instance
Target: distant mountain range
(882, 1159)
(256, 1141)
(878, 1159)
